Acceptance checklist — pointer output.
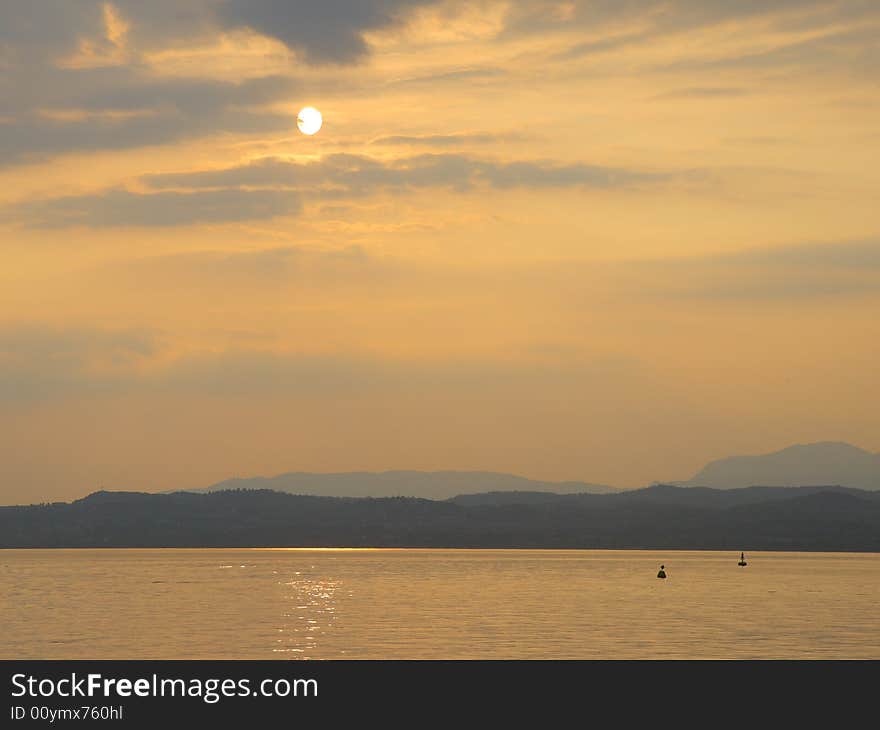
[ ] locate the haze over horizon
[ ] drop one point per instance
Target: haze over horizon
(824, 463)
(821, 464)
(567, 240)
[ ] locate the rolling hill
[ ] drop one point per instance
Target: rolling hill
(660, 517)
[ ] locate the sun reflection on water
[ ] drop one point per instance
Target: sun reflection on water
(312, 613)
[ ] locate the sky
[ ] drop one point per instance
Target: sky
(603, 240)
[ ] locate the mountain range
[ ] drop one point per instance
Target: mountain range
(424, 484)
(658, 517)
(817, 464)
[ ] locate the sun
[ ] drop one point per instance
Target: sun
(309, 120)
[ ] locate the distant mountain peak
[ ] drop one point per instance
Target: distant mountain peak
(841, 447)
(811, 464)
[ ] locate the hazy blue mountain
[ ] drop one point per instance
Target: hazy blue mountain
(826, 462)
(423, 484)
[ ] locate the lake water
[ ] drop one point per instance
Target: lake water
(436, 604)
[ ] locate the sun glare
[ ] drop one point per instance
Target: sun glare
(309, 120)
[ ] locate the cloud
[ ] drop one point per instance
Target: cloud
(853, 49)
(544, 175)
(40, 27)
(38, 362)
(760, 140)
(90, 103)
(329, 31)
(803, 271)
(602, 45)
(343, 374)
(50, 106)
(441, 140)
(185, 95)
(465, 74)
(858, 255)
(703, 92)
(832, 44)
(114, 208)
(359, 173)
(308, 267)
(123, 108)
(274, 187)
(49, 29)
(664, 16)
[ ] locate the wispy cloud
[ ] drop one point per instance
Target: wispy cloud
(39, 363)
(443, 140)
(360, 173)
(602, 45)
(116, 208)
(479, 74)
(704, 92)
(274, 187)
(795, 272)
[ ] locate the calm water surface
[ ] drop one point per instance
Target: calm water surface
(436, 604)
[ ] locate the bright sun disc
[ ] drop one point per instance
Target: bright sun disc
(309, 120)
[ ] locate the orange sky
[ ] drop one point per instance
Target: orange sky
(569, 240)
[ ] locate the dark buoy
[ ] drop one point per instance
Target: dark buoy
(742, 560)
(662, 573)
